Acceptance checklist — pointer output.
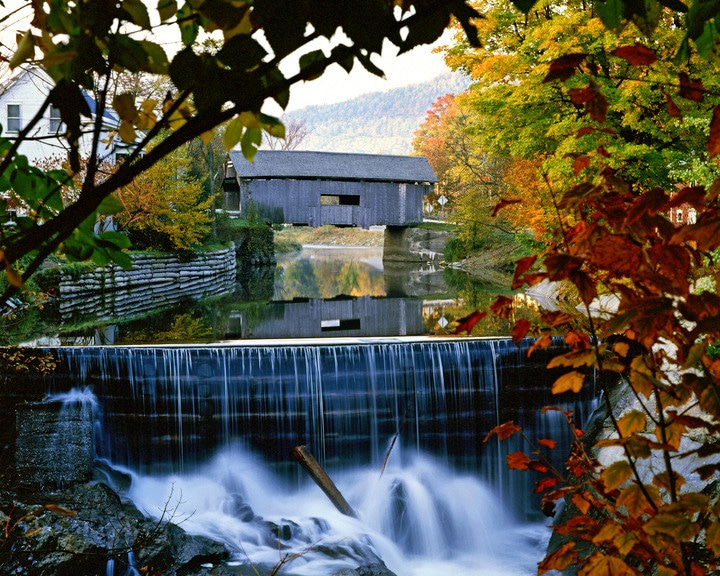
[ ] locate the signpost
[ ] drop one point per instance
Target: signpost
(442, 201)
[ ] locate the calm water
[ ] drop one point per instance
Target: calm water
(316, 293)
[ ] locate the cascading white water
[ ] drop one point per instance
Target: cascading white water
(215, 426)
(421, 518)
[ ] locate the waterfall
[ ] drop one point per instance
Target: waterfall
(218, 424)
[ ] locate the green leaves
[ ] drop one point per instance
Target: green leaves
(241, 52)
(313, 59)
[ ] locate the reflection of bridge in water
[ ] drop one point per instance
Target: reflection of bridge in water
(343, 316)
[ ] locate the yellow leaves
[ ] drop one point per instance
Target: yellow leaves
(233, 133)
(14, 278)
(178, 114)
(601, 565)
(574, 359)
(616, 534)
(632, 422)
(712, 537)
(572, 381)
(126, 132)
(635, 501)
(132, 118)
(59, 510)
(677, 526)
(25, 50)
(642, 378)
(616, 474)
(563, 557)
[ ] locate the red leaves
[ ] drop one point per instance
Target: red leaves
(504, 202)
(504, 431)
(592, 99)
(545, 484)
(467, 323)
(691, 89)
(692, 195)
(580, 163)
(637, 55)
(518, 461)
(713, 145)
(520, 330)
(564, 67)
(673, 109)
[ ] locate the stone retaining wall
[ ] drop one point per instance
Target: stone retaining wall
(155, 280)
(54, 445)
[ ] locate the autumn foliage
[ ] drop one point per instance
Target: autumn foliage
(645, 498)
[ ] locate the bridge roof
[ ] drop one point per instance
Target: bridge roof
(297, 164)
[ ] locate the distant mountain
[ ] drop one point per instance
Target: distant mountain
(376, 123)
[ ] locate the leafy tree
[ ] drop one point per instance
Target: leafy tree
(622, 119)
(163, 207)
(82, 45)
(610, 117)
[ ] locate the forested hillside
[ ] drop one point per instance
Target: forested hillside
(380, 122)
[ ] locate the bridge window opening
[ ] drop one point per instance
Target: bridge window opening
(340, 200)
(336, 325)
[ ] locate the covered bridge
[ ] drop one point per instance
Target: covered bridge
(318, 188)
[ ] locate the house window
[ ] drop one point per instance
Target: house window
(55, 121)
(14, 122)
(679, 216)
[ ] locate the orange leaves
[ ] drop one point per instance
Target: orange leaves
(616, 535)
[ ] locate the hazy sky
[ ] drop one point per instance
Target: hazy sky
(418, 65)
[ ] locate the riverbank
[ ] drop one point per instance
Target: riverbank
(328, 236)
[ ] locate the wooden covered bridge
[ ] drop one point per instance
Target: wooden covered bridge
(318, 188)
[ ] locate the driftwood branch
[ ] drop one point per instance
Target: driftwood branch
(321, 478)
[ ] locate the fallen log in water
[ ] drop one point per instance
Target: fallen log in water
(321, 478)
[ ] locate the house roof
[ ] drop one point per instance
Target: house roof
(283, 164)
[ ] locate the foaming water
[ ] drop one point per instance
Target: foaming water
(419, 517)
(84, 396)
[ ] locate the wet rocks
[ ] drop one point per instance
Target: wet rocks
(87, 527)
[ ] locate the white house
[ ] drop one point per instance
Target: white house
(22, 94)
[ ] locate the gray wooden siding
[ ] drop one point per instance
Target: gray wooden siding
(342, 317)
(380, 203)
